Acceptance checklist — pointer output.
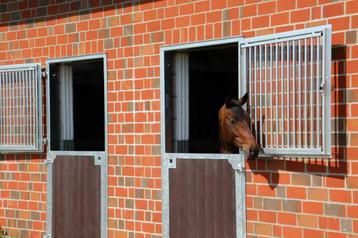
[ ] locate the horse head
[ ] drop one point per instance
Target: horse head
(234, 126)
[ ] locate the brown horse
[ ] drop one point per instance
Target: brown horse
(234, 129)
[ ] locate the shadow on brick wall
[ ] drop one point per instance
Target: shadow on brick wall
(31, 11)
(336, 165)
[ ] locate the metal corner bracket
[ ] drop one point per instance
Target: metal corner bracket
(171, 161)
(98, 159)
(50, 157)
(238, 162)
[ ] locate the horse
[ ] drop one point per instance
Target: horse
(234, 129)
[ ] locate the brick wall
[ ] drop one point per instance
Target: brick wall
(285, 197)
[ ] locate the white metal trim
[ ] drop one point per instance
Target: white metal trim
(36, 81)
(100, 157)
(167, 157)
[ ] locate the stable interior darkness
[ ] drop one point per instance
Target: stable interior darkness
(213, 75)
(88, 107)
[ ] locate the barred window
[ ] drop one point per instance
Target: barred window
(20, 108)
(287, 76)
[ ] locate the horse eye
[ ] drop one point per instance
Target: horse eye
(232, 121)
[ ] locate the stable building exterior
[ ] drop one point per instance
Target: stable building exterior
(108, 118)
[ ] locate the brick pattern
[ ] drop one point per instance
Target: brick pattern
(285, 197)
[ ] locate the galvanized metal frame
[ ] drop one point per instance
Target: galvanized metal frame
(287, 39)
(38, 145)
(168, 160)
(100, 157)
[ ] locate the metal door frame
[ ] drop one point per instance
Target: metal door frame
(168, 160)
(100, 157)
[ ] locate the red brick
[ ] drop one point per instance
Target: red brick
(292, 232)
(306, 3)
(266, 7)
(320, 194)
(201, 6)
(283, 5)
(352, 211)
(312, 207)
(267, 216)
(340, 196)
(249, 11)
(266, 190)
(261, 21)
(287, 218)
(354, 22)
(333, 9)
(300, 15)
(351, 7)
(215, 4)
(316, 13)
(213, 16)
(296, 192)
(335, 181)
(313, 233)
(263, 229)
(341, 23)
(308, 220)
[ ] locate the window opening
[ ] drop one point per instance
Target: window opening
(197, 81)
(77, 106)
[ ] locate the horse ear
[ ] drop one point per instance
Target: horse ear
(230, 102)
(243, 99)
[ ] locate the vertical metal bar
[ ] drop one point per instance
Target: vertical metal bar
(35, 107)
(8, 74)
(311, 94)
(250, 82)
(299, 95)
(276, 93)
(9, 106)
(324, 61)
(266, 95)
(250, 86)
(271, 98)
(17, 106)
(260, 98)
(22, 103)
(243, 72)
(32, 108)
(6, 107)
(326, 97)
(27, 107)
(18, 114)
(13, 104)
(3, 108)
(282, 92)
(255, 92)
(288, 93)
(317, 94)
(294, 93)
(1, 112)
(305, 96)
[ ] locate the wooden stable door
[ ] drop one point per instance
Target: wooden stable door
(202, 199)
(76, 197)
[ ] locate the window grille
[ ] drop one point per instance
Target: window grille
(287, 76)
(20, 108)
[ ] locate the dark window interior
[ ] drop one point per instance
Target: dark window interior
(213, 75)
(88, 107)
